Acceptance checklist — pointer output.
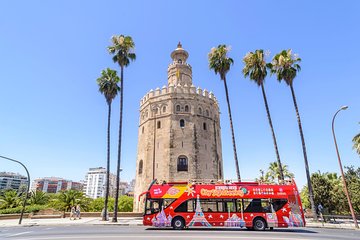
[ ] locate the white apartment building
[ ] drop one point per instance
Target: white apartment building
(10, 180)
(95, 180)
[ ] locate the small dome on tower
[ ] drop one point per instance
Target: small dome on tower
(179, 55)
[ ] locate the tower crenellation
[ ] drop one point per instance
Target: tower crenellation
(159, 92)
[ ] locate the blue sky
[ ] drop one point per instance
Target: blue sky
(54, 119)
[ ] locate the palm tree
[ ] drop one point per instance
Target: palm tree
(108, 86)
(356, 141)
(123, 51)
(66, 199)
(285, 66)
(220, 63)
(274, 172)
(255, 68)
(9, 199)
(38, 197)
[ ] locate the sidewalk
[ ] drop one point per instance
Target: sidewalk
(340, 223)
(134, 221)
(122, 221)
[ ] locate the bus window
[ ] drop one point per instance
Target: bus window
(208, 205)
(152, 206)
(253, 206)
(239, 205)
(167, 202)
(278, 203)
(229, 205)
(186, 206)
(220, 207)
(266, 206)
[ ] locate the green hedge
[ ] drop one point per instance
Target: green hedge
(28, 209)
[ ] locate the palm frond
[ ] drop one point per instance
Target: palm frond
(285, 66)
(255, 66)
(123, 49)
(219, 61)
(108, 84)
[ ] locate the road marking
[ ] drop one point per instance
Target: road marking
(18, 234)
(167, 237)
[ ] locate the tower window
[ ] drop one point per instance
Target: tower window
(179, 61)
(178, 108)
(140, 167)
(142, 131)
(207, 113)
(200, 111)
(164, 109)
(156, 110)
(186, 108)
(158, 124)
(204, 126)
(182, 164)
(182, 123)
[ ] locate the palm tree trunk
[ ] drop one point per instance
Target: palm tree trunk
(273, 133)
(311, 194)
(119, 146)
(232, 131)
(107, 166)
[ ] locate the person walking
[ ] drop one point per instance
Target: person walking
(73, 213)
(321, 209)
(78, 211)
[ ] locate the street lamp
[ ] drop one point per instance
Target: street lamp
(341, 168)
(27, 189)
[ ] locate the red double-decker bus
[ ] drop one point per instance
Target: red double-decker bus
(236, 205)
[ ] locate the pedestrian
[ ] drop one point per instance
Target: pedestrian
(78, 211)
(72, 212)
(320, 209)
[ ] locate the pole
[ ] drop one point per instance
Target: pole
(28, 186)
(341, 169)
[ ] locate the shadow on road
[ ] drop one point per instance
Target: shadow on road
(286, 230)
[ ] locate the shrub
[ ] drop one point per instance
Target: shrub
(28, 209)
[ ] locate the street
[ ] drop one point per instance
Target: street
(139, 232)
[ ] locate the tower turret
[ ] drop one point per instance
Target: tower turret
(179, 71)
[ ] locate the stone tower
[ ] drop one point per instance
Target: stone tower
(179, 131)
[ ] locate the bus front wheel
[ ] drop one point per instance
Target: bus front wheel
(259, 224)
(178, 223)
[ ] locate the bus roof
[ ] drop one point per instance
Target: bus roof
(223, 189)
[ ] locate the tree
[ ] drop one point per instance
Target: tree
(109, 88)
(255, 68)
(328, 190)
(126, 204)
(263, 178)
(38, 197)
(352, 177)
(285, 66)
(220, 63)
(9, 199)
(274, 172)
(64, 200)
(123, 51)
(356, 142)
(97, 204)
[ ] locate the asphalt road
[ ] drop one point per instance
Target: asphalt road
(104, 232)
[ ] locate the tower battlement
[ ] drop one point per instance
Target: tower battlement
(192, 90)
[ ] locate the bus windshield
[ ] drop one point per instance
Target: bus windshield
(156, 204)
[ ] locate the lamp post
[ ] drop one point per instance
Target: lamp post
(28, 185)
(341, 168)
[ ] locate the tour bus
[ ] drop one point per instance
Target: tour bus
(251, 205)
